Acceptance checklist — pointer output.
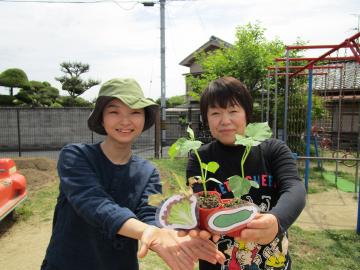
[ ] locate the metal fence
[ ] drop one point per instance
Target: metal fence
(30, 132)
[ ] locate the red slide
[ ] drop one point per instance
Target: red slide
(12, 187)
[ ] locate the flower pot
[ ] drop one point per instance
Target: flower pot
(228, 221)
(205, 212)
(231, 221)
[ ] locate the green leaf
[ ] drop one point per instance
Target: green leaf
(254, 183)
(181, 184)
(182, 146)
(255, 133)
(249, 142)
(240, 186)
(190, 145)
(212, 166)
(258, 131)
(174, 149)
(191, 133)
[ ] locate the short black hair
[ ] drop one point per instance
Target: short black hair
(223, 92)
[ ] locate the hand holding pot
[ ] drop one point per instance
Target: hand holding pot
(262, 229)
(179, 253)
(200, 233)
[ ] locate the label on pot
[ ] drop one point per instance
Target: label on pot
(230, 219)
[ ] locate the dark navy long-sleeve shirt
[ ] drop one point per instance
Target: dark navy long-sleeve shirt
(96, 198)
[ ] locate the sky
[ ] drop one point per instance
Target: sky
(122, 38)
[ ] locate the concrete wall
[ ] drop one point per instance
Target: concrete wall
(52, 128)
(44, 128)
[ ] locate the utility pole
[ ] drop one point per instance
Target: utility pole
(357, 29)
(162, 72)
(162, 69)
(163, 79)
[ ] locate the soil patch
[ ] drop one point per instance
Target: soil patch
(333, 209)
(37, 171)
(23, 244)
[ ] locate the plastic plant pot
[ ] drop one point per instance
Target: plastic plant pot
(205, 212)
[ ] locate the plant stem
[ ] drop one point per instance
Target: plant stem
(243, 159)
(203, 179)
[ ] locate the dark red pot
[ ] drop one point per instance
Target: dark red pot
(205, 212)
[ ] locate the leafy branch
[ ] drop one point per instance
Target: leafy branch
(255, 133)
(183, 146)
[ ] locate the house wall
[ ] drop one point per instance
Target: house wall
(349, 119)
(195, 68)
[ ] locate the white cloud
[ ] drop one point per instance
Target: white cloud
(118, 42)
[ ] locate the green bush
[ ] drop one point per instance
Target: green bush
(6, 100)
(14, 77)
(68, 101)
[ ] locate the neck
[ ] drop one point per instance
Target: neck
(117, 153)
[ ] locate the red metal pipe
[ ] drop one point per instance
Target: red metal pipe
(314, 67)
(304, 73)
(355, 46)
(341, 45)
(355, 50)
(303, 47)
(296, 59)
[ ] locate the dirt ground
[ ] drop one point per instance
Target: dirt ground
(23, 244)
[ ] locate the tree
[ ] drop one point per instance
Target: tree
(39, 94)
(173, 101)
(247, 60)
(71, 81)
(14, 77)
(67, 101)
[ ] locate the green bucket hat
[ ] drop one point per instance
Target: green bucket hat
(129, 92)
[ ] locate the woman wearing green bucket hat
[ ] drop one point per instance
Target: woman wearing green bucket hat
(102, 209)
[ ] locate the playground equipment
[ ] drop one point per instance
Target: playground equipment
(12, 187)
(334, 79)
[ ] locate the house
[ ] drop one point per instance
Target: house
(191, 111)
(214, 43)
(340, 90)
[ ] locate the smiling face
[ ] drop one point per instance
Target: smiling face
(224, 123)
(121, 123)
(226, 105)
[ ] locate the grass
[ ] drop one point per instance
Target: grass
(310, 250)
(40, 204)
(323, 178)
(324, 250)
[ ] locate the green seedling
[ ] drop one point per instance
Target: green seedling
(255, 133)
(183, 146)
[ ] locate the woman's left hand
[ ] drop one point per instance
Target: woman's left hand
(262, 229)
(200, 233)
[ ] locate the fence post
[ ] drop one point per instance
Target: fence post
(18, 130)
(157, 135)
(308, 130)
(357, 175)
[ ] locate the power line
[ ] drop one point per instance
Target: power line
(78, 2)
(69, 2)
